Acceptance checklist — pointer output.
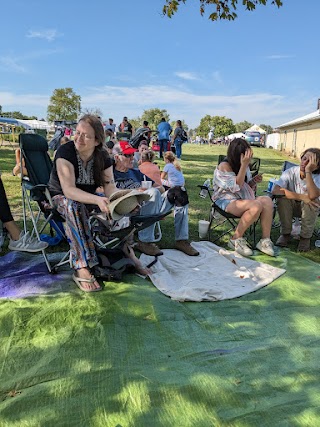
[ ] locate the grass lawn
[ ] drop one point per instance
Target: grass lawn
(198, 164)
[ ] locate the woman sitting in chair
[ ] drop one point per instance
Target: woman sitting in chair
(80, 166)
(234, 192)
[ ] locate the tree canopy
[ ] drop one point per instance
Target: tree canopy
(65, 104)
(222, 9)
(222, 126)
(243, 126)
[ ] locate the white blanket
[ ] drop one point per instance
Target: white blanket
(216, 274)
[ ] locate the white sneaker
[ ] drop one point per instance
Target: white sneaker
(26, 244)
(266, 246)
(241, 246)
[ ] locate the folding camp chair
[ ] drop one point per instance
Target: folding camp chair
(218, 217)
(38, 205)
(36, 200)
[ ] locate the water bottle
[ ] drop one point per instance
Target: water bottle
(203, 193)
(296, 229)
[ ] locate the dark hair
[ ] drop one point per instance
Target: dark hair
(315, 151)
(145, 123)
(179, 123)
(99, 154)
(236, 147)
(163, 119)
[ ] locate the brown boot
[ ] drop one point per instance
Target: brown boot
(283, 240)
(304, 245)
(184, 246)
(148, 248)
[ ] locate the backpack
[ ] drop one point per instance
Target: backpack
(183, 136)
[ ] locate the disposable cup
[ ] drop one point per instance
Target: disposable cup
(203, 228)
(146, 184)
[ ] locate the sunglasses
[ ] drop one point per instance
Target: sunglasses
(127, 155)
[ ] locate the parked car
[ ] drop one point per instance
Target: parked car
(254, 138)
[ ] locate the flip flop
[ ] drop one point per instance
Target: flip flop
(78, 281)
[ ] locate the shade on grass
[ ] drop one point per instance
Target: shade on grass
(129, 356)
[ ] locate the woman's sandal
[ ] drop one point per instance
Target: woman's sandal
(79, 282)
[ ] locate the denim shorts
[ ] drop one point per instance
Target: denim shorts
(223, 203)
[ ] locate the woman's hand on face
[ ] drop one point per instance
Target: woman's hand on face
(246, 157)
(312, 164)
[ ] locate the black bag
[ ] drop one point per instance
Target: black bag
(184, 136)
(178, 196)
(112, 264)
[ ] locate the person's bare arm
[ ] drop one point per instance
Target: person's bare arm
(109, 182)
(312, 165)
(67, 179)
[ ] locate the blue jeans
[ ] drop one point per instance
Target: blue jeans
(159, 203)
(178, 144)
(163, 143)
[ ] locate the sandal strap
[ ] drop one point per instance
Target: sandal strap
(91, 280)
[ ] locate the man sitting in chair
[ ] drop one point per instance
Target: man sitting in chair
(127, 177)
(297, 202)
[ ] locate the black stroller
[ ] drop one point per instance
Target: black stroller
(141, 134)
(54, 143)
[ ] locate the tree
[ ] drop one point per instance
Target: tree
(222, 126)
(267, 128)
(93, 111)
(223, 9)
(242, 126)
(153, 117)
(65, 104)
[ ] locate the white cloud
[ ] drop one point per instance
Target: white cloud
(8, 63)
(49, 34)
(185, 75)
(116, 102)
(279, 56)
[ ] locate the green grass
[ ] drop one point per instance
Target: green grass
(198, 164)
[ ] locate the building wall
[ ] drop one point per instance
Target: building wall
(297, 138)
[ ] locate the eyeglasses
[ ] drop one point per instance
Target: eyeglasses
(127, 155)
(84, 135)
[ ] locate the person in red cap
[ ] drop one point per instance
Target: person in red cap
(126, 177)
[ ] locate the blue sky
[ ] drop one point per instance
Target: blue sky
(124, 57)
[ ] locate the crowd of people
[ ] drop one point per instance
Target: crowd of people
(93, 166)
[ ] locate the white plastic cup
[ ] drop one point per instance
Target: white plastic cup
(146, 184)
(203, 228)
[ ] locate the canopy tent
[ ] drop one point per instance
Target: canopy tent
(256, 128)
(27, 124)
(14, 122)
(37, 124)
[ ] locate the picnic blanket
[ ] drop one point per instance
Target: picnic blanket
(216, 274)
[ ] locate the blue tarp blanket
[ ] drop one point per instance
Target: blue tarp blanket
(23, 274)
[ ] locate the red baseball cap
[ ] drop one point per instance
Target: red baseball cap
(126, 147)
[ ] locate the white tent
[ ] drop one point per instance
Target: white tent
(256, 128)
(36, 124)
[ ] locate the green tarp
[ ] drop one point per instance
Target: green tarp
(130, 356)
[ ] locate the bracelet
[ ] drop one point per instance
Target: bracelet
(309, 172)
